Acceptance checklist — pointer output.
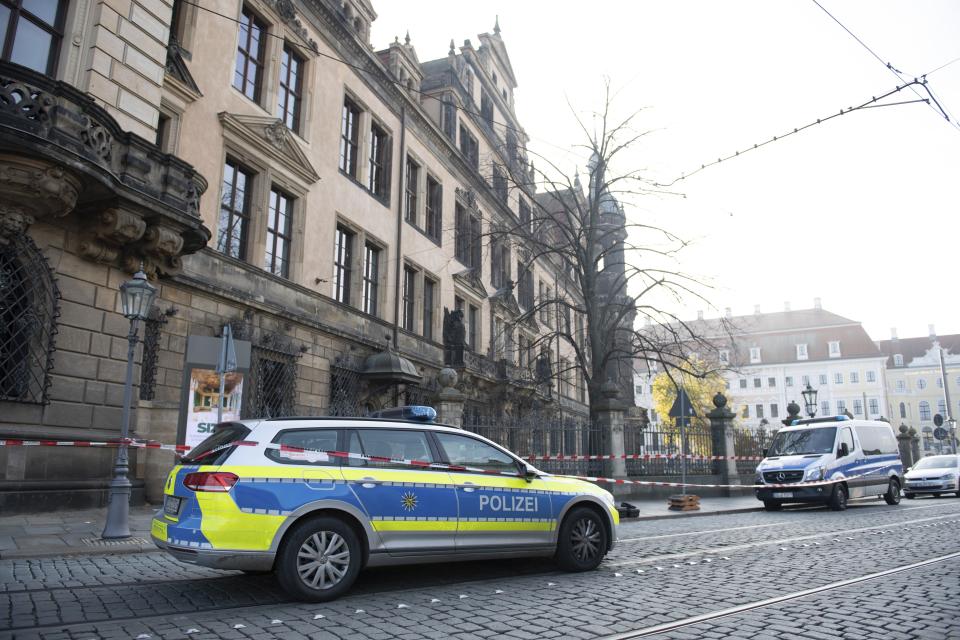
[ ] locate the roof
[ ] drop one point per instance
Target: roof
(916, 351)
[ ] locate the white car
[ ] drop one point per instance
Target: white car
(933, 475)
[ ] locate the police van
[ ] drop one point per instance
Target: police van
(317, 499)
(861, 456)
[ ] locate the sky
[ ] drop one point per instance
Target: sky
(859, 211)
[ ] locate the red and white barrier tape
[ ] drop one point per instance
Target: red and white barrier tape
(638, 456)
(318, 454)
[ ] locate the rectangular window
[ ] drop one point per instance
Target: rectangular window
(234, 211)
(410, 193)
(857, 407)
(525, 287)
(838, 378)
(248, 70)
(349, 137)
(825, 407)
(724, 356)
(756, 383)
(279, 218)
(805, 380)
(467, 237)
(486, 108)
(788, 381)
(499, 263)
(871, 376)
(409, 297)
(874, 406)
(774, 411)
(469, 147)
(771, 382)
(854, 377)
(473, 329)
(342, 257)
(834, 349)
(754, 355)
(743, 383)
(525, 217)
(901, 386)
(429, 292)
(434, 216)
(500, 183)
(379, 148)
(291, 91)
(841, 407)
(371, 278)
(823, 379)
(801, 352)
(759, 410)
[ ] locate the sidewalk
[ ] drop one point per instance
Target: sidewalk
(67, 533)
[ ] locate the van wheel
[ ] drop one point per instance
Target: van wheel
(772, 505)
(320, 559)
(838, 499)
(892, 496)
(583, 541)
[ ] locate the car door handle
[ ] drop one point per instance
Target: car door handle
(369, 483)
(469, 487)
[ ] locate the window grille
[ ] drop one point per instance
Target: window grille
(29, 309)
(273, 377)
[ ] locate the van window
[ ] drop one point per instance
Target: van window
(803, 441)
(314, 440)
(876, 440)
(846, 436)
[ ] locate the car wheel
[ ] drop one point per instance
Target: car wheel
(838, 498)
(909, 496)
(772, 505)
(583, 540)
(320, 559)
(892, 496)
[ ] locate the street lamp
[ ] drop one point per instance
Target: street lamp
(810, 400)
(136, 296)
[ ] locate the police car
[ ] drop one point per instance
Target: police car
(318, 499)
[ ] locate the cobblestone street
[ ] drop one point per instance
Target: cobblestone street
(662, 572)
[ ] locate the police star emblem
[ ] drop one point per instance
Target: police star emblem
(409, 501)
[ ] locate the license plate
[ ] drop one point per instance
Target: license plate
(171, 505)
(782, 494)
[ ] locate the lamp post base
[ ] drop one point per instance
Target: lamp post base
(118, 508)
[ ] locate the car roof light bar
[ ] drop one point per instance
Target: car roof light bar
(414, 412)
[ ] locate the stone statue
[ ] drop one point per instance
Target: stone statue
(454, 337)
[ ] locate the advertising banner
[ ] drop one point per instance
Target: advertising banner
(204, 395)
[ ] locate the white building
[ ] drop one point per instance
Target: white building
(768, 359)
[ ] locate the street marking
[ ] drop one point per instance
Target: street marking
(750, 545)
(669, 626)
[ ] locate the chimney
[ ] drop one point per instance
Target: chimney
(699, 315)
(756, 309)
(893, 333)
(933, 332)
(786, 306)
(727, 313)
(816, 303)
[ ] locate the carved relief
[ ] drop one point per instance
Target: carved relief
(469, 198)
(275, 134)
(13, 221)
(25, 101)
(40, 189)
(121, 227)
(94, 249)
(162, 240)
(97, 138)
(288, 12)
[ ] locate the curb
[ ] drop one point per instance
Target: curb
(688, 514)
(59, 552)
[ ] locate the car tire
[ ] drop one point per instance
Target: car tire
(582, 542)
(838, 498)
(909, 496)
(303, 567)
(892, 496)
(772, 505)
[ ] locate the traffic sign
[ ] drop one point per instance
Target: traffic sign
(938, 420)
(940, 433)
(682, 407)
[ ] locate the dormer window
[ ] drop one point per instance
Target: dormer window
(754, 355)
(724, 356)
(802, 352)
(898, 359)
(834, 349)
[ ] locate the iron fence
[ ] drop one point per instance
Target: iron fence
(667, 441)
(750, 443)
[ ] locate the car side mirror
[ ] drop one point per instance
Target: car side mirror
(530, 474)
(843, 450)
(764, 452)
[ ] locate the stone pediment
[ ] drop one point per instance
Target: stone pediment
(176, 68)
(505, 299)
(470, 278)
(270, 137)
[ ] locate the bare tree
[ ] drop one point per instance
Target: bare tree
(613, 272)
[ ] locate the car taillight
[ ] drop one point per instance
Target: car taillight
(210, 481)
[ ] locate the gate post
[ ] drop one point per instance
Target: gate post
(914, 443)
(609, 412)
(903, 443)
(721, 430)
(450, 399)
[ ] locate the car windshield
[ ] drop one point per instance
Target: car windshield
(802, 441)
(937, 462)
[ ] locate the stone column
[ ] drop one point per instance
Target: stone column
(721, 429)
(450, 399)
(904, 444)
(609, 412)
(914, 443)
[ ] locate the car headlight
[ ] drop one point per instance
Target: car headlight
(758, 479)
(815, 473)
(950, 476)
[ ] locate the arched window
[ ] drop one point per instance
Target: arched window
(903, 410)
(924, 410)
(29, 308)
